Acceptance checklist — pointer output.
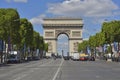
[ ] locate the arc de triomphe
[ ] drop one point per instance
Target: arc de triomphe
(53, 27)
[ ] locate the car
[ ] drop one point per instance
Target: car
(59, 56)
(13, 57)
(83, 58)
(91, 58)
(66, 57)
(46, 57)
(29, 58)
(75, 56)
(36, 58)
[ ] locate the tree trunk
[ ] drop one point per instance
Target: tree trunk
(1, 51)
(6, 53)
(111, 49)
(95, 52)
(118, 47)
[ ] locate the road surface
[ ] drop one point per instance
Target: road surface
(49, 69)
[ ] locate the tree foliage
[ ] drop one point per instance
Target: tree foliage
(46, 47)
(9, 25)
(82, 46)
(26, 32)
(110, 32)
(36, 40)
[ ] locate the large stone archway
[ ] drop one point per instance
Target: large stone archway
(72, 27)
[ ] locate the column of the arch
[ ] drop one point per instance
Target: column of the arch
(49, 37)
(72, 43)
(70, 47)
(54, 43)
(52, 46)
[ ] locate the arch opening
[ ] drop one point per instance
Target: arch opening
(54, 27)
(63, 44)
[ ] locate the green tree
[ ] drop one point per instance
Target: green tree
(46, 47)
(10, 25)
(38, 43)
(36, 40)
(83, 46)
(117, 32)
(2, 24)
(108, 29)
(26, 33)
(100, 39)
(42, 46)
(93, 44)
(29, 34)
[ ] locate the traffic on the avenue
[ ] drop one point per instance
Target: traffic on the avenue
(60, 69)
(59, 40)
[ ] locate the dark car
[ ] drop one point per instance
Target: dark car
(66, 57)
(59, 56)
(91, 58)
(36, 58)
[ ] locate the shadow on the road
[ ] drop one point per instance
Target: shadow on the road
(11, 63)
(5, 65)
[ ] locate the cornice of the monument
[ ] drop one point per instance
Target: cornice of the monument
(63, 18)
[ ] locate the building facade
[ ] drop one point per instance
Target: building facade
(53, 27)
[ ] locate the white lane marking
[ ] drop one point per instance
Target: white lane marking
(22, 76)
(47, 63)
(27, 73)
(58, 70)
(34, 64)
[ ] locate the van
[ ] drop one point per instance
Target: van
(13, 57)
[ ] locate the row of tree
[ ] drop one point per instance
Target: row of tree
(18, 32)
(110, 33)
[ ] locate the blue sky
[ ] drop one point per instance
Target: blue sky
(93, 12)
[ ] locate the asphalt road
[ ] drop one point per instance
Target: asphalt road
(49, 69)
(88, 70)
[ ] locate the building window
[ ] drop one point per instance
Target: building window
(49, 34)
(75, 46)
(76, 33)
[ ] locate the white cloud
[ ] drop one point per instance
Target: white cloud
(97, 9)
(117, 13)
(23, 1)
(63, 44)
(8, 0)
(38, 19)
(98, 20)
(89, 31)
(86, 8)
(85, 39)
(85, 30)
